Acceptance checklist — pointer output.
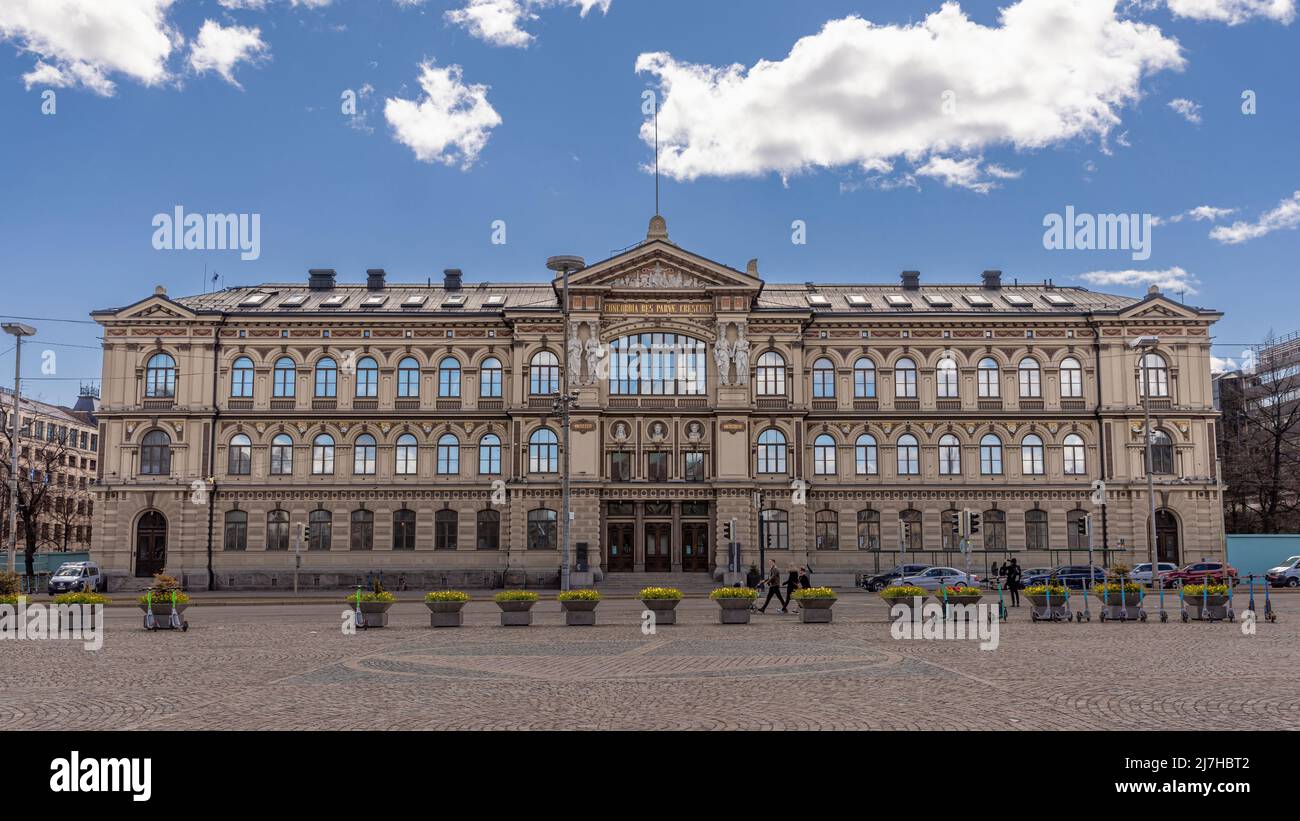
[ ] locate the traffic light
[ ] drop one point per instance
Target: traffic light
(974, 523)
(1081, 525)
(726, 533)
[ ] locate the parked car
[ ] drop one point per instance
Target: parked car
(1142, 572)
(932, 578)
(1078, 576)
(1035, 575)
(1199, 572)
(75, 577)
(1286, 574)
(880, 581)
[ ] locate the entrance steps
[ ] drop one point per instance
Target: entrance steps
(629, 584)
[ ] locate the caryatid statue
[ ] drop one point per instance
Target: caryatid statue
(585, 353)
(732, 349)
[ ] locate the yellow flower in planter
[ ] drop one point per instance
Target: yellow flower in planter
(814, 593)
(659, 594)
(446, 595)
(579, 595)
(515, 595)
(905, 591)
(734, 593)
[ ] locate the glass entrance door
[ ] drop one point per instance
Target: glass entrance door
(658, 546)
(695, 547)
(619, 547)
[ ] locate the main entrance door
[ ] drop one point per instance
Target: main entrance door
(1166, 537)
(150, 544)
(695, 547)
(619, 547)
(658, 547)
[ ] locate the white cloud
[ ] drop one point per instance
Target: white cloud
(1224, 365)
(1234, 12)
(1170, 279)
(501, 22)
(1286, 214)
(220, 48)
(85, 42)
(856, 92)
(968, 172)
(1187, 109)
(450, 124)
(1203, 213)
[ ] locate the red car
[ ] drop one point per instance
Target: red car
(1198, 572)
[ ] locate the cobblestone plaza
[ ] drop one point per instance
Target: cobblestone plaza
(292, 667)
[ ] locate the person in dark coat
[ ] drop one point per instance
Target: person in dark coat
(791, 585)
(773, 587)
(1013, 582)
(804, 581)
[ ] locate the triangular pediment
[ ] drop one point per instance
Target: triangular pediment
(155, 307)
(659, 265)
(1156, 306)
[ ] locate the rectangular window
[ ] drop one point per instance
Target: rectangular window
(657, 467)
(620, 466)
(694, 467)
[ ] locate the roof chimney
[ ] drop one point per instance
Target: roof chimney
(451, 279)
(911, 280)
(321, 279)
(374, 279)
(992, 280)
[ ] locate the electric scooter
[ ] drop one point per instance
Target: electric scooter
(177, 623)
(150, 622)
(1002, 607)
(360, 618)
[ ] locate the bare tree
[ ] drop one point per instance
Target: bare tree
(40, 464)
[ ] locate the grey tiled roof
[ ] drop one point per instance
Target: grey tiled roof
(516, 296)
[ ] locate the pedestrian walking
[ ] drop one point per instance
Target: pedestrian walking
(1013, 582)
(791, 585)
(773, 582)
(804, 580)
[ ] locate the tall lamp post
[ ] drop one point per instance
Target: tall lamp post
(19, 331)
(564, 400)
(1143, 345)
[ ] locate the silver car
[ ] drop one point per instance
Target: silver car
(935, 577)
(1142, 572)
(1286, 574)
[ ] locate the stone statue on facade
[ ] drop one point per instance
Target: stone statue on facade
(585, 353)
(732, 350)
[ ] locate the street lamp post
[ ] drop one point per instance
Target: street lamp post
(19, 331)
(564, 400)
(1143, 344)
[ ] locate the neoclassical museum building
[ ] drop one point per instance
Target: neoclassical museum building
(413, 429)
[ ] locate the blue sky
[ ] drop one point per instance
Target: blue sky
(544, 133)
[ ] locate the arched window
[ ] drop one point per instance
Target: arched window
(826, 530)
(160, 377)
(1162, 453)
(364, 452)
(541, 529)
(543, 452)
(446, 523)
(1072, 450)
(240, 453)
(771, 374)
(775, 528)
(327, 379)
(823, 379)
(905, 379)
(449, 378)
(236, 530)
(864, 452)
(1071, 378)
(282, 455)
(1031, 384)
(544, 374)
(824, 455)
(488, 530)
(285, 380)
(156, 454)
(322, 455)
(910, 529)
(362, 536)
(990, 455)
(994, 527)
(448, 455)
(657, 364)
(771, 451)
(277, 530)
(1036, 536)
(868, 530)
(489, 454)
(320, 530)
(367, 378)
(408, 378)
(241, 378)
(864, 379)
(945, 374)
(408, 455)
(909, 455)
(949, 455)
(987, 376)
(1031, 456)
(489, 378)
(1153, 371)
(403, 529)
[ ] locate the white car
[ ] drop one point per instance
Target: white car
(77, 577)
(935, 577)
(1286, 574)
(1142, 572)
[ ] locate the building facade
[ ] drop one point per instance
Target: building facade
(412, 429)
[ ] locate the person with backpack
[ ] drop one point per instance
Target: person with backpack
(1013, 582)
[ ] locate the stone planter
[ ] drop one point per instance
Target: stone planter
(516, 613)
(89, 619)
(907, 601)
(972, 598)
(1212, 600)
(580, 613)
(162, 614)
(665, 610)
(733, 611)
(815, 611)
(1042, 599)
(1114, 599)
(374, 612)
(446, 613)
